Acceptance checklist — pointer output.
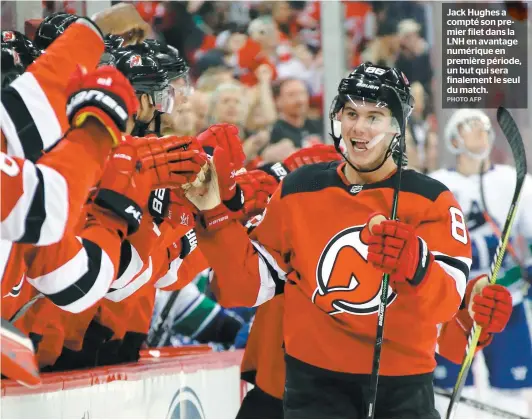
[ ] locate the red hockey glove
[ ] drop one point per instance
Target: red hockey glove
(124, 187)
(395, 249)
(309, 155)
(171, 161)
(165, 204)
(104, 94)
(277, 170)
(222, 197)
(183, 247)
(257, 187)
(226, 137)
(490, 305)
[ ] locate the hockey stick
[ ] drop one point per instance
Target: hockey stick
(480, 405)
(495, 227)
(155, 335)
(377, 349)
(22, 310)
(511, 132)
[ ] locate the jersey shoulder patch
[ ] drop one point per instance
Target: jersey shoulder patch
(421, 184)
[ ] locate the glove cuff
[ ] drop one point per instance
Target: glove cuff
(106, 102)
(424, 262)
(158, 204)
(189, 242)
(277, 170)
(237, 202)
(215, 218)
(121, 206)
(90, 111)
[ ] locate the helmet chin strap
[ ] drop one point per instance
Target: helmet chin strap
(141, 128)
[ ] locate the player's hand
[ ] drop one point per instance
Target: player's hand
(490, 305)
(104, 94)
(221, 197)
(123, 19)
(395, 249)
(172, 161)
(226, 137)
(257, 187)
(124, 188)
(309, 155)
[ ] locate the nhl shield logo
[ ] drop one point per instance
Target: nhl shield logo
(355, 189)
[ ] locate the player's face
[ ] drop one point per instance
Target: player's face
(367, 131)
(475, 137)
(229, 108)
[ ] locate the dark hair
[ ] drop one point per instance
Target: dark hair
(279, 83)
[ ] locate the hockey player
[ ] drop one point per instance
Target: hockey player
(469, 135)
(314, 241)
(34, 120)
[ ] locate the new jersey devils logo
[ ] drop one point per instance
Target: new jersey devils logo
(135, 61)
(346, 282)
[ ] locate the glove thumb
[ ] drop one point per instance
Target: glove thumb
(226, 173)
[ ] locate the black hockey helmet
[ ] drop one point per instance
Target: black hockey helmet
(374, 83)
(170, 58)
(113, 42)
(22, 45)
(146, 75)
(384, 86)
(51, 28)
(11, 65)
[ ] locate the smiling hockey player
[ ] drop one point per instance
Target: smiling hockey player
(314, 240)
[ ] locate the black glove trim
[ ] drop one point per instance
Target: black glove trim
(189, 242)
(158, 204)
(122, 206)
(277, 170)
(423, 263)
(113, 105)
(237, 202)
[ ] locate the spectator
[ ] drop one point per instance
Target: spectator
(414, 58)
(199, 103)
(293, 129)
(228, 104)
(184, 120)
(384, 49)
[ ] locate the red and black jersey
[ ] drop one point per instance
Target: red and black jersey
(41, 202)
(310, 240)
(33, 108)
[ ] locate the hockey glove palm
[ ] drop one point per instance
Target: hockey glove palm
(395, 249)
(104, 94)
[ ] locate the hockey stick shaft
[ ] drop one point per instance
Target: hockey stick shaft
(480, 405)
(155, 335)
(377, 349)
(493, 224)
(513, 137)
(24, 308)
